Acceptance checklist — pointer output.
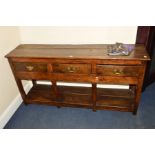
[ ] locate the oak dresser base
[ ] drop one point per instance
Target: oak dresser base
(81, 64)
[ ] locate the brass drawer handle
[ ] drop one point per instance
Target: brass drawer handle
(71, 69)
(117, 72)
(29, 68)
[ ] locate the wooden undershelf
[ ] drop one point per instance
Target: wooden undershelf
(111, 99)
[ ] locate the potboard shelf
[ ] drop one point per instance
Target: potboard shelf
(120, 99)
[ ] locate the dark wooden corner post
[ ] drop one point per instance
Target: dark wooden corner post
(146, 37)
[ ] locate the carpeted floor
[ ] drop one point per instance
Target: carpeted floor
(49, 117)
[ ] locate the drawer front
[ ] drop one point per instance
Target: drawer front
(30, 67)
(72, 68)
(114, 70)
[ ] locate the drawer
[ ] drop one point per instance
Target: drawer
(72, 68)
(115, 70)
(30, 67)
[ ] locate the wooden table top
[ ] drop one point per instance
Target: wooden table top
(82, 51)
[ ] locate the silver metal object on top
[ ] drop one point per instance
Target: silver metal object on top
(120, 49)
